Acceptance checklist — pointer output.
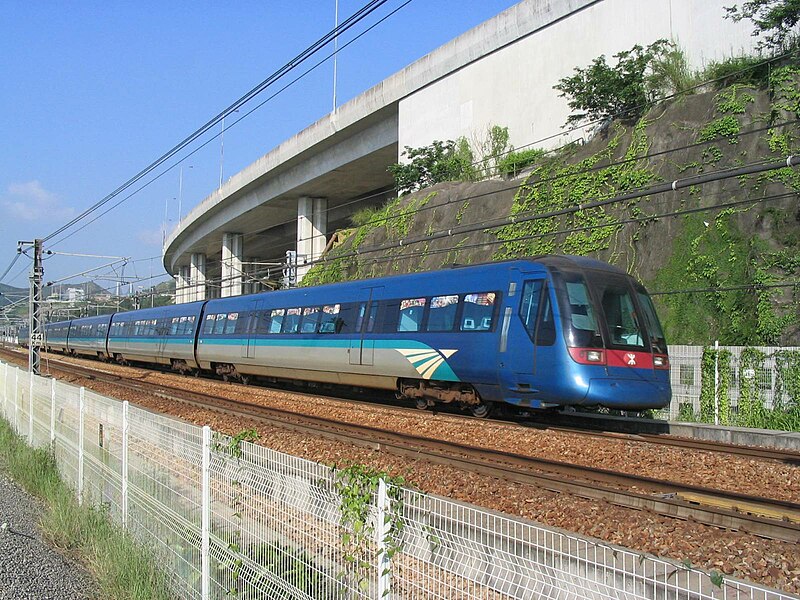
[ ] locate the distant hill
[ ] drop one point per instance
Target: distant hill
(11, 294)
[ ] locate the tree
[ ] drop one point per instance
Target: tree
(440, 161)
(600, 92)
(776, 19)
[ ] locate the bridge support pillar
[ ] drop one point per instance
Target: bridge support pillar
(198, 277)
(182, 285)
(231, 264)
(312, 223)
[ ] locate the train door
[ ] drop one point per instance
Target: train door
(162, 329)
(249, 335)
(530, 348)
(362, 350)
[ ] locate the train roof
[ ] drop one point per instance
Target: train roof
(169, 310)
(547, 261)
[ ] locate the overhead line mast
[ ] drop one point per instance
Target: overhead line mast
(36, 334)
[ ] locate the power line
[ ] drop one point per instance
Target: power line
(350, 22)
(575, 173)
(242, 116)
(674, 186)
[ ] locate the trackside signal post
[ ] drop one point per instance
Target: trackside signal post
(35, 307)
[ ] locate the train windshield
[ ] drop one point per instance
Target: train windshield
(657, 338)
(579, 318)
(606, 306)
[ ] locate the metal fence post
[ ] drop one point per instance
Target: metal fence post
(205, 526)
(125, 464)
(716, 382)
(5, 390)
(53, 410)
(16, 399)
(381, 532)
(30, 412)
(81, 398)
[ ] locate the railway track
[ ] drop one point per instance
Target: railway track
(639, 431)
(764, 517)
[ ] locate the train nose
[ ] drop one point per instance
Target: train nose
(629, 394)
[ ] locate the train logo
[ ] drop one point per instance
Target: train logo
(631, 359)
(426, 361)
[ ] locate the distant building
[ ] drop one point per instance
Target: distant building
(75, 295)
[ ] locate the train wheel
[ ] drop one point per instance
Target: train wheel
(480, 410)
(422, 403)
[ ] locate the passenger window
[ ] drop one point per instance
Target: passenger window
(276, 320)
(331, 323)
(208, 326)
(230, 323)
(536, 305)
(442, 315)
(478, 312)
(219, 324)
(262, 322)
(411, 313)
(310, 320)
(291, 322)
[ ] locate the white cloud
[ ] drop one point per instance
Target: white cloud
(29, 201)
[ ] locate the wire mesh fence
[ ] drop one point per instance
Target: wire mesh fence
(227, 518)
(732, 385)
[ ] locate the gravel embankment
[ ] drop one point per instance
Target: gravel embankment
(767, 562)
(31, 569)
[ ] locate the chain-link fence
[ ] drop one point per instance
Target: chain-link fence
(227, 518)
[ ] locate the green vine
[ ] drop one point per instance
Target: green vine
(721, 404)
(752, 412)
(554, 185)
(357, 486)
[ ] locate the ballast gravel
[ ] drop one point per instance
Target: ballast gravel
(31, 569)
(768, 562)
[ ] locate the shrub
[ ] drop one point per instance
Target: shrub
(600, 92)
(513, 162)
(743, 70)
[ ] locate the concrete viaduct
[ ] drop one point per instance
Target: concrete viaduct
(501, 72)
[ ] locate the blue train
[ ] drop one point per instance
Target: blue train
(546, 332)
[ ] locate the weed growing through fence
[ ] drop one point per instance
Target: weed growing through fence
(122, 569)
(357, 485)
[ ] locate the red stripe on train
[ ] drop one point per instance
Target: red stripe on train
(624, 358)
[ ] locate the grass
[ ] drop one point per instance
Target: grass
(121, 568)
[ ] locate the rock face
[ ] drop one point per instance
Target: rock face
(718, 255)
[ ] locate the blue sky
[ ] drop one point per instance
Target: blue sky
(95, 91)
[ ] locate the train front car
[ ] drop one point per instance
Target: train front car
(590, 337)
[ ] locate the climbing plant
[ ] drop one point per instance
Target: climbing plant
(357, 486)
(719, 404)
(555, 185)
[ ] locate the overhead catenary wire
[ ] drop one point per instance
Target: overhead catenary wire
(295, 62)
(673, 186)
(575, 173)
(567, 231)
(234, 122)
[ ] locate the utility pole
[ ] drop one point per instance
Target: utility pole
(35, 307)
